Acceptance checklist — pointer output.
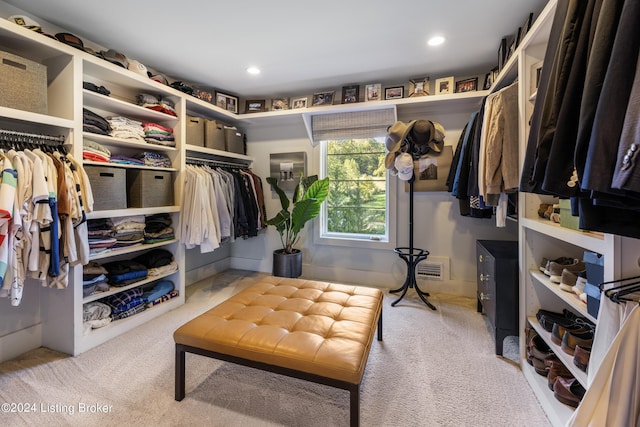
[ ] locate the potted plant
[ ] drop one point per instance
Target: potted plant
(305, 205)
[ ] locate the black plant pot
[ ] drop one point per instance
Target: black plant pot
(287, 265)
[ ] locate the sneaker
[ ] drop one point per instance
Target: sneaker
(583, 297)
(543, 264)
(562, 260)
(568, 280)
(575, 266)
(578, 288)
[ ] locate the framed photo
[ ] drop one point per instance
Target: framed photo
(279, 104)
(299, 103)
(373, 92)
(395, 92)
(431, 171)
(350, 94)
(322, 98)
(526, 26)
(515, 39)
(444, 86)
(419, 87)
(254, 106)
(227, 102)
(534, 78)
(488, 81)
(502, 54)
(467, 85)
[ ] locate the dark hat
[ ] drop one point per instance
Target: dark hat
(396, 135)
(427, 136)
(71, 40)
(115, 58)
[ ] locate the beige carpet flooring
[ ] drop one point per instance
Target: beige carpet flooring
(434, 368)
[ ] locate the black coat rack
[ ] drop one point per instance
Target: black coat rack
(410, 255)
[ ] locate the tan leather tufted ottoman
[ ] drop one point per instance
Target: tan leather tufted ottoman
(317, 331)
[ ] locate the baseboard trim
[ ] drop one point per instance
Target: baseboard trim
(19, 342)
(201, 273)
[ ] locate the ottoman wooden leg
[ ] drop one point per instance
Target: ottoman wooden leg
(179, 373)
(354, 407)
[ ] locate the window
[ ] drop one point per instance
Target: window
(357, 211)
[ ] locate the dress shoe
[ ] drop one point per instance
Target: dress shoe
(539, 351)
(548, 318)
(581, 357)
(568, 391)
(573, 338)
(555, 368)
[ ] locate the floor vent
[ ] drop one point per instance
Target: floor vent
(433, 269)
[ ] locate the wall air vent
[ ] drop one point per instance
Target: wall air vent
(433, 268)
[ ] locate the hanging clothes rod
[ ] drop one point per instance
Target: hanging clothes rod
(16, 136)
(201, 161)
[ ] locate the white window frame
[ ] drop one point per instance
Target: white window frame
(387, 242)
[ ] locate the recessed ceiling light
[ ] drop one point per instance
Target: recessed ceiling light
(436, 41)
(253, 70)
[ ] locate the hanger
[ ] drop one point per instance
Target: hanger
(626, 286)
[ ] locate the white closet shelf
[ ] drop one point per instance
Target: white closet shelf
(115, 289)
(98, 336)
(94, 100)
(558, 412)
(592, 241)
(131, 249)
(568, 297)
(27, 117)
(116, 213)
(565, 358)
(125, 143)
(118, 165)
(194, 149)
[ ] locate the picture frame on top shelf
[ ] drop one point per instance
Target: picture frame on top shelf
(467, 85)
(254, 106)
(373, 92)
(322, 98)
(444, 86)
(299, 103)
(227, 102)
(419, 87)
(396, 92)
(350, 94)
(514, 44)
(502, 54)
(488, 81)
(526, 26)
(278, 104)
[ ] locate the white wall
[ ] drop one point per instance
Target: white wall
(438, 226)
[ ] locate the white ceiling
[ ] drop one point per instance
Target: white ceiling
(300, 46)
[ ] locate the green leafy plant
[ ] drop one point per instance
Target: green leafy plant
(305, 205)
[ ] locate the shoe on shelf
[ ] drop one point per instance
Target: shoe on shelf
(571, 339)
(575, 266)
(561, 261)
(568, 391)
(578, 288)
(543, 264)
(583, 297)
(538, 352)
(569, 278)
(548, 318)
(542, 209)
(555, 369)
(581, 357)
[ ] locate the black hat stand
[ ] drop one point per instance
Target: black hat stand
(410, 255)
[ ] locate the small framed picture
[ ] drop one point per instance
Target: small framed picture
(395, 92)
(502, 54)
(299, 103)
(419, 87)
(227, 102)
(444, 86)
(525, 27)
(350, 94)
(279, 104)
(254, 106)
(488, 81)
(322, 98)
(467, 85)
(373, 92)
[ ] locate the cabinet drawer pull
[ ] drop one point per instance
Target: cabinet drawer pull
(481, 258)
(484, 277)
(484, 297)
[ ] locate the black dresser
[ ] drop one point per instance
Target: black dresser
(498, 287)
